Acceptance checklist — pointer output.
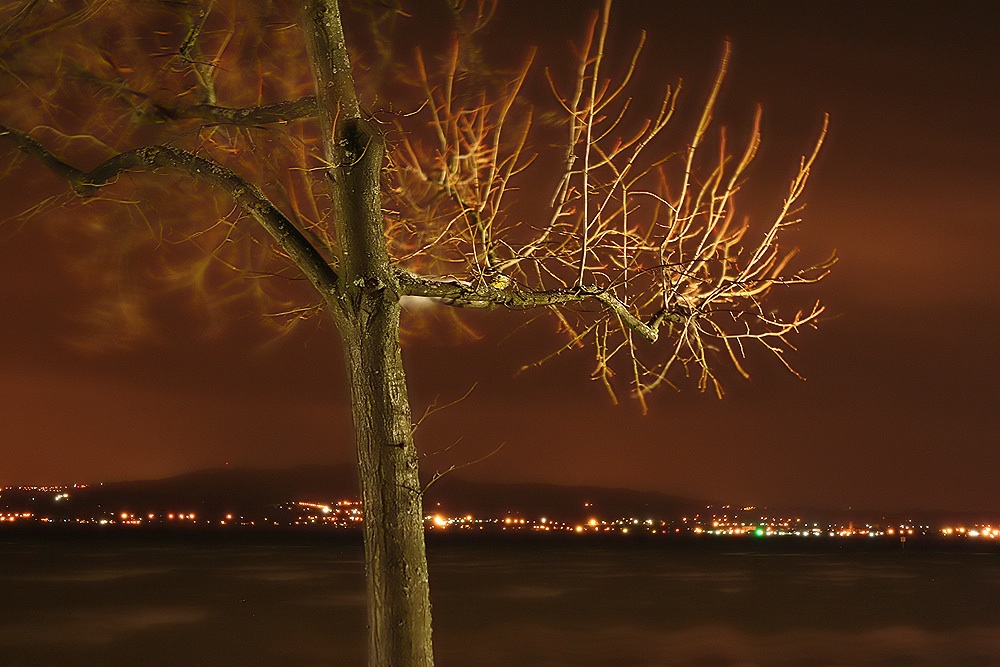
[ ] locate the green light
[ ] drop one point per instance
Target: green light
(759, 532)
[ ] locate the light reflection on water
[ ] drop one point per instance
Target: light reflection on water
(122, 603)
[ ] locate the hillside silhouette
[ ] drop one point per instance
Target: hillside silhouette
(252, 491)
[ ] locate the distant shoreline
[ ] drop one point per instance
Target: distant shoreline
(242, 535)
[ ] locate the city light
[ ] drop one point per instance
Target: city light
(17, 505)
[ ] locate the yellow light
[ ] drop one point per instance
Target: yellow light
(592, 522)
(440, 521)
(499, 281)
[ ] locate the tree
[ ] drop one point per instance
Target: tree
(636, 249)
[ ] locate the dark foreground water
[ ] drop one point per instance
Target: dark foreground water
(123, 602)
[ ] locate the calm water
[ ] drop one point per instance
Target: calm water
(300, 602)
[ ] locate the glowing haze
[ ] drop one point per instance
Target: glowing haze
(898, 409)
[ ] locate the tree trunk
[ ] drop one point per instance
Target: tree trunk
(365, 304)
(399, 614)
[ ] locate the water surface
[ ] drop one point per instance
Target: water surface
(219, 602)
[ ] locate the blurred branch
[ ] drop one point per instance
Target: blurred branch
(62, 20)
(278, 112)
(19, 16)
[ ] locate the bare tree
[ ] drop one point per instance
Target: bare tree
(636, 248)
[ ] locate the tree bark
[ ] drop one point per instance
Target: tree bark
(366, 307)
(399, 614)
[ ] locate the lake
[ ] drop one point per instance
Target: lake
(125, 601)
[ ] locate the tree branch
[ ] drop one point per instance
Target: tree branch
(335, 92)
(263, 114)
(463, 294)
(18, 18)
(353, 148)
(190, 51)
(248, 196)
(279, 112)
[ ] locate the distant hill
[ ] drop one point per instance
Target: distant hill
(250, 490)
(456, 497)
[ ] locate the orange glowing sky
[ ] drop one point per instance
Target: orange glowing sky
(900, 406)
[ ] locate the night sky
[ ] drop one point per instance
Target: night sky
(899, 406)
